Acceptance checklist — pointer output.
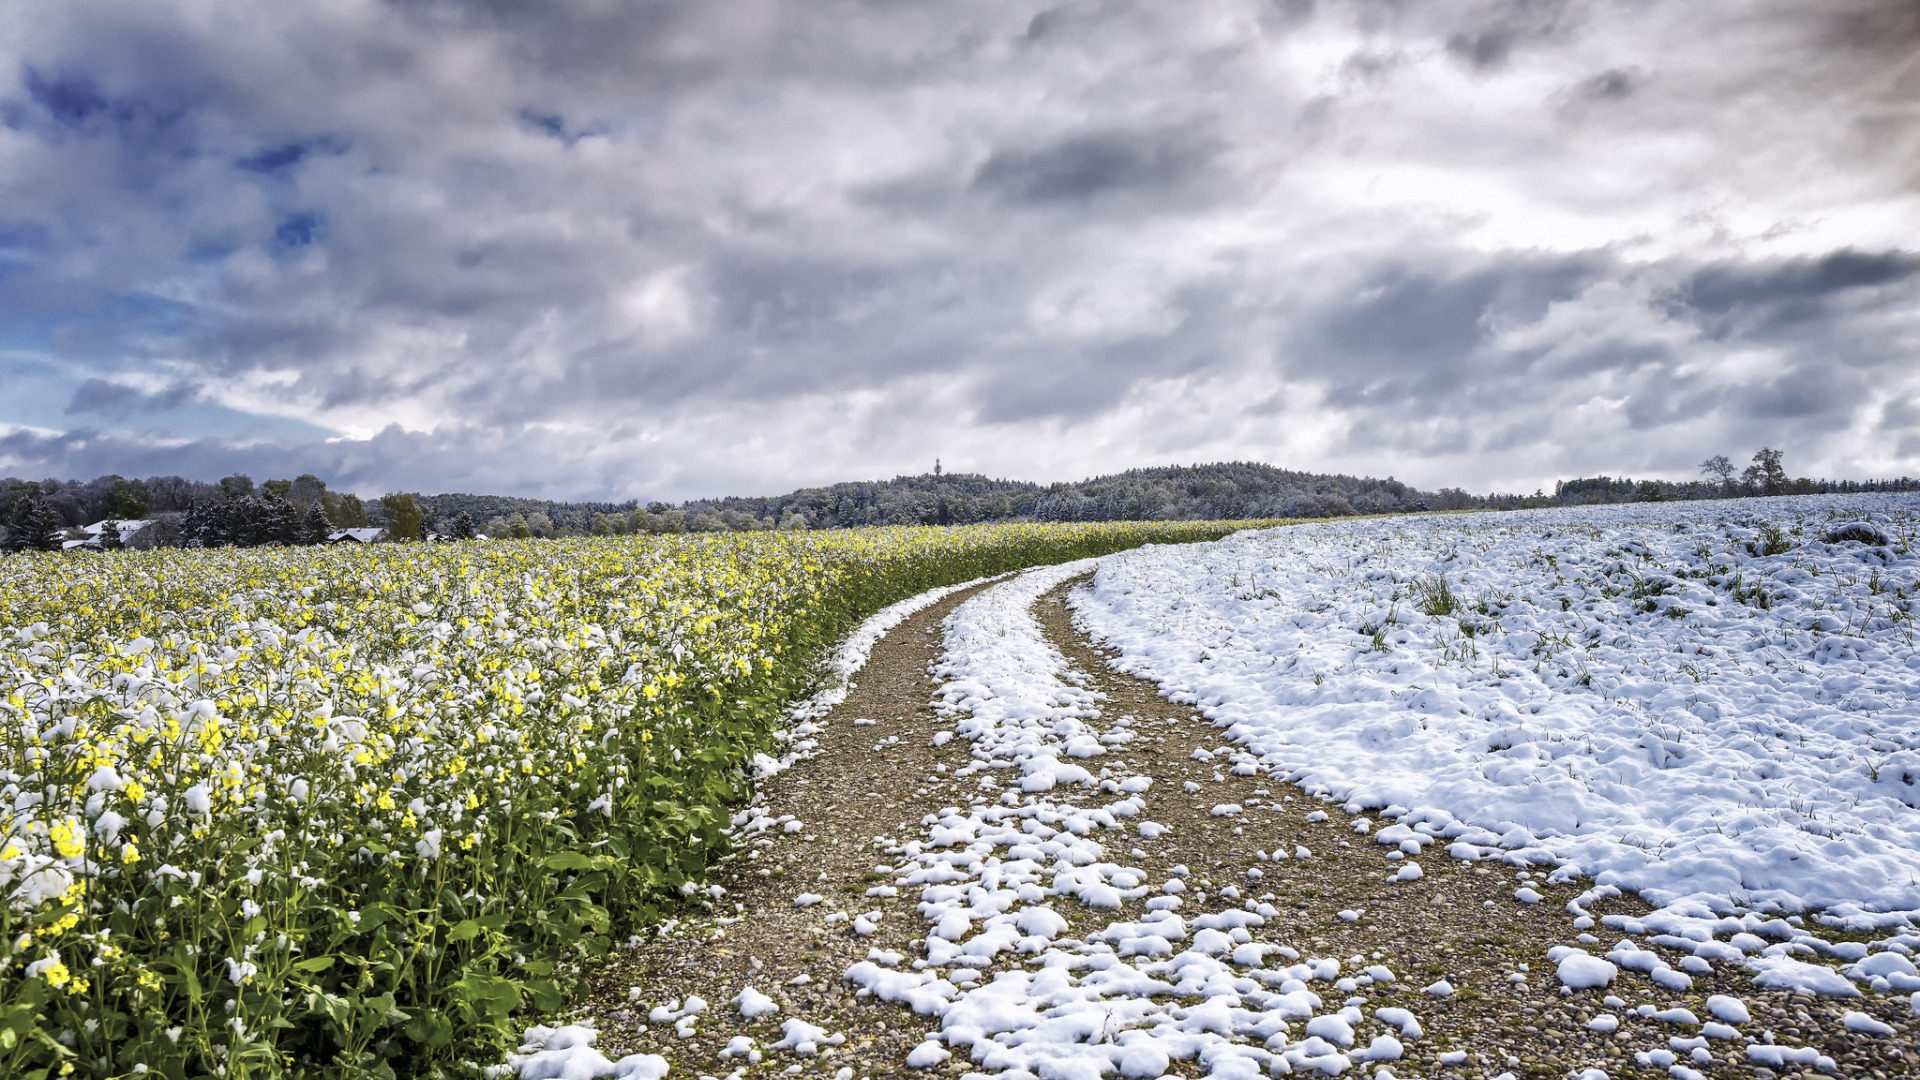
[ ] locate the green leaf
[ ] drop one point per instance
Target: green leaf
(334, 1008)
(546, 996)
(568, 860)
(431, 1029)
(464, 930)
(313, 963)
(487, 997)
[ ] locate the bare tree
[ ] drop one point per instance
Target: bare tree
(1766, 475)
(1720, 467)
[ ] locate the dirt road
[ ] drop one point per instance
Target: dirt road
(818, 893)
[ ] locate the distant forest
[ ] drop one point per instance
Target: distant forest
(1179, 492)
(236, 511)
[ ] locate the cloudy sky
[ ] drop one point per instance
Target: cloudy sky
(627, 248)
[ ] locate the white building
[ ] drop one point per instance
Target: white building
(93, 531)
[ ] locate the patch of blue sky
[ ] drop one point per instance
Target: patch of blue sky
(49, 393)
(303, 228)
(87, 325)
(282, 159)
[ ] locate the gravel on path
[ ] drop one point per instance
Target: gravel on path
(816, 895)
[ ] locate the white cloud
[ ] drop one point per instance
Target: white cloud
(684, 248)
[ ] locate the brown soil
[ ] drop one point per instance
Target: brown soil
(1460, 921)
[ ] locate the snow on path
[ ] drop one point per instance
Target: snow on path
(1637, 693)
(1613, 698)
(842, 666)
(998, 878)
(567, 1052)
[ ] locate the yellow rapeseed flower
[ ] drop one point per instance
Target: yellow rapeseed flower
(69, 839)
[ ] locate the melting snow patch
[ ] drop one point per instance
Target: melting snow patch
(1730, 1009)
(1867, 1025)
(567, 1053)
(927, 1055)
(754, 1004)
(1582, 970)
(1798, 976)
(803, 1038)
(1776, 1056)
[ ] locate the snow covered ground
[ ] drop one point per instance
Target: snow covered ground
(998, 879)
(1708, 704)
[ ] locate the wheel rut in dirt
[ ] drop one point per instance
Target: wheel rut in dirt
(1233, 837)
(866, 787)
(1460, 921)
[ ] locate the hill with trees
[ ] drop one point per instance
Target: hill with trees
(236, 511)
(1170, 493)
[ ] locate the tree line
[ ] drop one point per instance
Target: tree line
(175, 512)
(1224, 490)
(236, 512)
(1720, 478)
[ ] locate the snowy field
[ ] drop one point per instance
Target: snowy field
(1710, 705)
(1641, 694)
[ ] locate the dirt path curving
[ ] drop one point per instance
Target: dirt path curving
(866, 782)
(877, 775)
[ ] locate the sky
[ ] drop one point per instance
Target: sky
(620, 249)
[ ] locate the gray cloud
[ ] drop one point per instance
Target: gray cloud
(113, 399)
(1795, 290)
(1491, 34)
(670, 248)
(1087, 166)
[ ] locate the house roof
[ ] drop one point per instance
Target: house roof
(128, 526)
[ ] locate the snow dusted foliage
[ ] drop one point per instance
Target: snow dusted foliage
(1709, 704)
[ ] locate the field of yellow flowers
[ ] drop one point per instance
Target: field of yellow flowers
(345, 811)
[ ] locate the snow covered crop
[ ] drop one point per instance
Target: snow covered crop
(343, 810)
(1713, 705)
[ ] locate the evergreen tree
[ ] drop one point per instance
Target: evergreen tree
(193, 528)
(44, 527)
(207, 525)
(461, 527)
(246, 522)
(279, 521)
(32, 525)
(314, 528)
(110, 535)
